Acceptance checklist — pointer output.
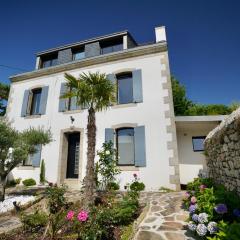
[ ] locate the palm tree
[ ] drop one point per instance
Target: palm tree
(96, 93)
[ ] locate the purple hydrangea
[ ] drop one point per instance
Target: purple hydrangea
(201, 230)
(203, 217)
(192, 208)
(236, 212)
(212, 227)
(192, 226)
(195, 217)
(221, 208)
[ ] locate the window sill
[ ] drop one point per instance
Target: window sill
(25, 168)
(73, 111)
(128, 168)
(124, 105)
(32, 116)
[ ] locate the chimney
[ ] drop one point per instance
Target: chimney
(160, 34)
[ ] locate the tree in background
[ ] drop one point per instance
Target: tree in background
(15, 148)
(4, 92)
(96, 93)
(181, 102)
(185, 107)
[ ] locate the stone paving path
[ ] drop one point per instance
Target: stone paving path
(8, 223)
(165, 219)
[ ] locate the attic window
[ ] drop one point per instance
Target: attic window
(111, 46)
(78, 53)
(49, 60)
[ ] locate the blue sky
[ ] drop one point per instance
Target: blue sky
(203, 36)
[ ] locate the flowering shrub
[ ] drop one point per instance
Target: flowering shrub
(136, 185)
(209, 206)
(106, 168)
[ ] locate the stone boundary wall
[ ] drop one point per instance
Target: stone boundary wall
(222, 150)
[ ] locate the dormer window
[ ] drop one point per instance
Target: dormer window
(78, 54)
(49, 61)
(111, 46)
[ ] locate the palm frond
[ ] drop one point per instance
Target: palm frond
(91, 89)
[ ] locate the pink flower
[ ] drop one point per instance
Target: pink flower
(70, 215)
(82, 216)
(193, 200)
(187, 195)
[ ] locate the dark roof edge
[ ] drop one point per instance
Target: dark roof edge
(121, 33)
(115, 56)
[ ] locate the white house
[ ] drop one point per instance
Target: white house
(150, 140)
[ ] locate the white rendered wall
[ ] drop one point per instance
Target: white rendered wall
(191, 162)
(150, 113)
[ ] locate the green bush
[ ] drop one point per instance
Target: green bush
(56, 198)
(29, 182)
(113, 186)
(137, 186)
(35, 221)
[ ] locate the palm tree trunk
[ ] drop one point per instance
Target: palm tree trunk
(2, 188)
(89, 181)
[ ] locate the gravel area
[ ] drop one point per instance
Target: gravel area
(7, 204)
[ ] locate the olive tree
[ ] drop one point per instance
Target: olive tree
(15, 147)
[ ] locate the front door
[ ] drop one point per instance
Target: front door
(73, 155)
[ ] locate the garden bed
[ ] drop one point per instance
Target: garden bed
(214, 212)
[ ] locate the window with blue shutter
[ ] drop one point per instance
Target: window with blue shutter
(129, 87)
(34, 101)
(35, 158)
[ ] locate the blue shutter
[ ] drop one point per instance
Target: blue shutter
(25, 103)
(109, 135)
(43, 102)
(112, 78)
(139, 142)
(62, 101)
(137, 86)
(36, 157)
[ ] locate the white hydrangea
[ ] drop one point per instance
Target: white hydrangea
(212, 227)
(201, 230)
(203, 218)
